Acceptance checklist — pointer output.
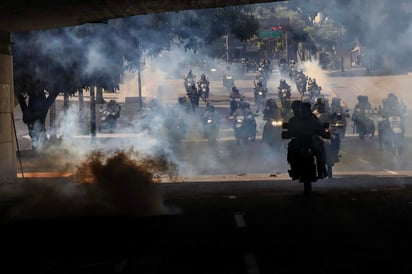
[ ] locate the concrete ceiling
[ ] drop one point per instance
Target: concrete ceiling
(22, 15)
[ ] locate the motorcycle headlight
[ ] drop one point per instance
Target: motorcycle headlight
(260, 93)
(209, 121)
(239, 121)
(276, 123)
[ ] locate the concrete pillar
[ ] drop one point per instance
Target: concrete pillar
(7, 136)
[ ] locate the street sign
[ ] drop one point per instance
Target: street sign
(268, 33)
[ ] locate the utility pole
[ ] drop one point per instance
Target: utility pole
(139, 84)
(227, 47)
(92, 114)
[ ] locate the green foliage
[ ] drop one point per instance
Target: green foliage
(69, 59)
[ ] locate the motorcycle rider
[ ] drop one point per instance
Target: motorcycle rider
(271, 110)
(321, 105)
(283, 85)
(190, 75)
(194, 98)
(203, 80)
(210, 111)
(313, 87)
(361, 108)
(301, 81)
(259, 89)
(336, 105)
(363, 104)
(305, 123)
(113, 109)
(325, 116)
(189, 80)
(392, 107)
(235, 97)
(360, 114)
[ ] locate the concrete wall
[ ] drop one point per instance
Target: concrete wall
(7, 137)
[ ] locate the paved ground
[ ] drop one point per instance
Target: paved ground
(248, 223)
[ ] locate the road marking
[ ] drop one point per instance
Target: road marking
(251, 264)
(363, 161)
(119, 268)
(239, 220)
(391, 172)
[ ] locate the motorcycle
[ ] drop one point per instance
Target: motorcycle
(363, 124)
(339, 123)
(305, 169)
(314, 92)
(211, 128)
(301, 86)
(293, 71)
(332, 147)
(272, 133)
(189, 82)
(261, 78)
(228, 81)
(284, 96)
(204, 91)
(260, 96)
(108, 122)
(391, 134)
(245, 128)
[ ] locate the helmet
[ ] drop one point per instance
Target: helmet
(306, 109)
(296, 104)
(320, 105)
(234, 89)
(392, 96)
(271, 102)
(336, 100)
(282, 81)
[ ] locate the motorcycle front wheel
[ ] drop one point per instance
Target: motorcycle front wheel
(307, 187)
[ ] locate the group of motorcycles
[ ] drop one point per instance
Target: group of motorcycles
(390, 123)
(275, 130)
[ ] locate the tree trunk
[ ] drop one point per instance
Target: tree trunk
(53, 123)
(99, 95)
(66, 103)
(81, 112)
(92, 115)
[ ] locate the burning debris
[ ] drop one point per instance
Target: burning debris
(117, 184)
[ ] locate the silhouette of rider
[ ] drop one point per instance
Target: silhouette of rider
(304, 124)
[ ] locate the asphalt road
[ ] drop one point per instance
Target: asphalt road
(219, 216)
(351, 224)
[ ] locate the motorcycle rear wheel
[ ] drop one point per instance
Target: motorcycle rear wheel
(330, 170)
(307, 187)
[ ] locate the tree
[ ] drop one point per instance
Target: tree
(65, 60)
